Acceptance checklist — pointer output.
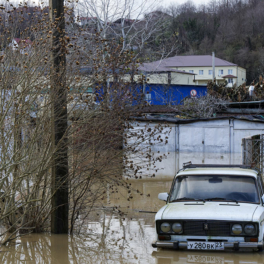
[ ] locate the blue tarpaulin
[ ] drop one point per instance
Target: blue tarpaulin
(158, 94)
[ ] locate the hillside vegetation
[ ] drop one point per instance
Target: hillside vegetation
(231, 28)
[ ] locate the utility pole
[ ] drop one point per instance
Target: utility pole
(60, 171)
(213, 65)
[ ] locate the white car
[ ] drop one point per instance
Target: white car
(212, 207)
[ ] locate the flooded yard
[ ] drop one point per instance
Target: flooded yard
(120, 230)
(113, 237)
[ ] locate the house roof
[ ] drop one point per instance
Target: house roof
(158, 66)
(126, 20)
(229, 76)
(176, 120)
(23, 41)
(88, 18)
(192, 61)
(250, 104)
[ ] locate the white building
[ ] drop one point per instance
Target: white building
(201, 67)
(201, 141)
(21, 45)
(157, 74)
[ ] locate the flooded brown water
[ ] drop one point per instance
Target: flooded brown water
(114, 238)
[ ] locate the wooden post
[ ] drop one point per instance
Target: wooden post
(60, 207)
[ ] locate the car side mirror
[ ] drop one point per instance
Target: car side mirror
(262, 198)
(163, 196)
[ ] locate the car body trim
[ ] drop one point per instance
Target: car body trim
(228, 245)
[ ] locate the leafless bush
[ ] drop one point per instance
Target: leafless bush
(100, 105)
(202, 107)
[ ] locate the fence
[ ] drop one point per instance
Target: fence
(253, 148)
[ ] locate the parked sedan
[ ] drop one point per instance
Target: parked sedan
(212, 207)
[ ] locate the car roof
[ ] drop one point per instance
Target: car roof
(217, 170)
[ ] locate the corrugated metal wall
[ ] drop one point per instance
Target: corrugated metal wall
(159, 94)
(172, 94)
(203, 142)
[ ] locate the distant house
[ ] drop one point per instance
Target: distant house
(88, 21)
(23, 45)
(156, 73)
(201, 66)
(168, 86)
(125, 21)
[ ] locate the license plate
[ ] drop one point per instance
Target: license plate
(192, 245)
(205, 259)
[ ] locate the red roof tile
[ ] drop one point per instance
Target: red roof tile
(229, 76)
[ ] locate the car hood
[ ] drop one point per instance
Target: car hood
(209, 211)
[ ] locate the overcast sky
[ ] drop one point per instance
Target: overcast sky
(197, 2)
(132, 8)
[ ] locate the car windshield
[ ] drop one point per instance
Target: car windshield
(215, 188)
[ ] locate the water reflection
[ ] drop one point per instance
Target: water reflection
(120, 235)
(37, 249)
(113, 240)
(119, 241)
(121, 231)
(183, 257)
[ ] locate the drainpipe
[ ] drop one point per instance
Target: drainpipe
(213, 64)
(144, 83)
(169, 78)
(237, 76)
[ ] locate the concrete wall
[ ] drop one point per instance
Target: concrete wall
(208, 142)
(158, 78)
(206, 70)
(179, 78)
(241, 76)
(162, 78)
(239, 72)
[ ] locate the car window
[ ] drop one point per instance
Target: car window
(239, 188)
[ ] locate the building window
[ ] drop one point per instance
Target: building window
(220, 72)
(148, 97)
(200, 72)
(210, 72)
(230, 71)
(190, 71)
(230, 80)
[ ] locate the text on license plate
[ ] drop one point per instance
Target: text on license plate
(205, 259)
(205, 245)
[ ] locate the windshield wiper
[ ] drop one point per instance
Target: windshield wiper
(188, 199)
(221, 198)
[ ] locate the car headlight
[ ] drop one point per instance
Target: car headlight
(177, 227)
(165, 227)
(237, 229)
(249, 229)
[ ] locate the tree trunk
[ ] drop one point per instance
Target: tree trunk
(60, 207)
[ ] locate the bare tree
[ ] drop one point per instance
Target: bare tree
(202, 107)
(137, 25)
(97, 125)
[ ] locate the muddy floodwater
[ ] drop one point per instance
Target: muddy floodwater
(123, 235)
(114, 238)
